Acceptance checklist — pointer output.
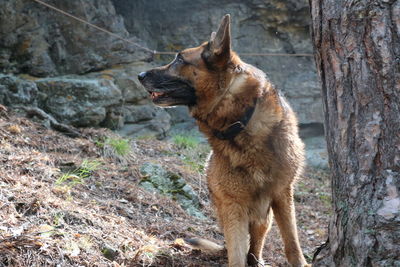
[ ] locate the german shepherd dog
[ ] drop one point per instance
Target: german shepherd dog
(256, 151)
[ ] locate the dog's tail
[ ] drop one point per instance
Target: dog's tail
(203, 244)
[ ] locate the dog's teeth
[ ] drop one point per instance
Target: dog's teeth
(155, 94)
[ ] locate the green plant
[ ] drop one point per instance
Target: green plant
(146, 137)
(192, 151)
(99, 143)
(120, 146)
(58, 218)
(194, 164)
(77, 176)
(186, 141)
(117, 148)
(70, 178)
(325, 198)
(88, 166)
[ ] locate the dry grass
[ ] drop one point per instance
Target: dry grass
(107, 219)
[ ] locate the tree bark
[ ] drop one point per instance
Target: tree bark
(357, 56)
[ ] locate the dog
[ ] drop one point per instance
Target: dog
(256, 151)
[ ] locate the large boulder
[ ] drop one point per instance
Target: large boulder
(80, 102)
(125, 78)
(156, 179)
(145, 121)
(111, 98)
(17, 91)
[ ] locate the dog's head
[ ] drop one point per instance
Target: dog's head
(194, 73)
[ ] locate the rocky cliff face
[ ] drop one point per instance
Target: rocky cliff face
(88, 78)
(38, 41)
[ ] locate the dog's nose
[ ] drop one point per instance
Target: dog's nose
(142, 75)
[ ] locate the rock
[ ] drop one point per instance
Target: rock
(304, 94)
(132, 90)
(125, 78)
(138, 113)
(157, 179)
(114, 118)
(42, 42)
(145, 120)
(80, 102)
(17, 91)
(179, 114)
(311, 130)
(316, 152)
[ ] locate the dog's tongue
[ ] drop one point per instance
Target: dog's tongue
(155, 94)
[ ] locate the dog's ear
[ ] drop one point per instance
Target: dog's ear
(218, 49)
(220, 42)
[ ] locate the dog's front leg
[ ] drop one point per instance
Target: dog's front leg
(283, 207)
(235, 225)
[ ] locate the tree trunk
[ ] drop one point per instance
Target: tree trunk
(357, 55)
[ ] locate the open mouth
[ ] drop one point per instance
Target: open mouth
(167, 98)
(158, 96)
(166, 90)
(180, 96)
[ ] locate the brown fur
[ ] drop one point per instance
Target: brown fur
(252, 175)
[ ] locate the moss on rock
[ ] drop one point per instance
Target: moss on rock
(156, 179)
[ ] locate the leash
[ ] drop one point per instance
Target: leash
(154, 52)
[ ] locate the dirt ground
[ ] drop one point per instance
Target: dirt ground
(99, 216)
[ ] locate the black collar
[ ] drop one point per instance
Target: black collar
(235, 128)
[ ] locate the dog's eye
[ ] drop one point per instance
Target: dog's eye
(179, 59)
